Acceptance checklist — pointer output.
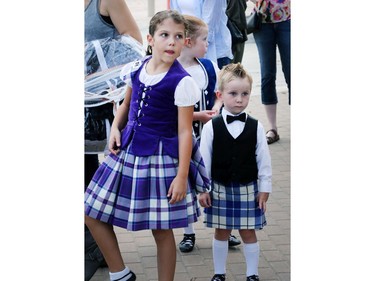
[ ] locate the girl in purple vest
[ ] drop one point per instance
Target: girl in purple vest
(149, 179)
(235, 151)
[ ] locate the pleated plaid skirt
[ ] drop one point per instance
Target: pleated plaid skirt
(234, 207)
(131, 191)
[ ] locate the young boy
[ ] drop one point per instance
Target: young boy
(235, 151)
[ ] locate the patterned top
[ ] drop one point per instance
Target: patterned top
(274, 10)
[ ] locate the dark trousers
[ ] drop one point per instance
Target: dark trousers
(93, 256)
(237, 51)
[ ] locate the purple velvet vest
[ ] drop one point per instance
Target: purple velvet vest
(157, 117)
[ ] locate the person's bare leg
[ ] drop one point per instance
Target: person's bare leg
(248, 235)
(166, 253)
(272, 134)
(271, 115)
(106, 239)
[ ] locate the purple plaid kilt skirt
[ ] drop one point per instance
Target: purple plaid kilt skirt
(234, 207)
(131, 191)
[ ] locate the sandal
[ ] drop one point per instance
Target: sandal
(273, 139)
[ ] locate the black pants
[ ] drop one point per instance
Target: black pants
(237, 51)
(93, 256)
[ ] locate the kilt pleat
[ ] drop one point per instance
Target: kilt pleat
(234, 207)
(130, 191)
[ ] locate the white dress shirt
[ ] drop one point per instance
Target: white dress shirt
(235, 128)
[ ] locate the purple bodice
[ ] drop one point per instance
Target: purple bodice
(153, 114)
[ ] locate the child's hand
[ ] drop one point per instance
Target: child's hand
(177, 190)
(206, 115)
(204, 200)
(262, 199)
(114, 142)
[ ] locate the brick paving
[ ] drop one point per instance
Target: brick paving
(138, 248)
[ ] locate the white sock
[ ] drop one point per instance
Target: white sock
(220, 254)
(120, 274)
(251, 252)
(189, 229)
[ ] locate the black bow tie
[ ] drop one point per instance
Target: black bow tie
(241, 117)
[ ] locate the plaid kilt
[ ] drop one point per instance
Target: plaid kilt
(234, 207)
(131, 192)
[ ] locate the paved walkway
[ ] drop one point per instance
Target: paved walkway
(138, 248)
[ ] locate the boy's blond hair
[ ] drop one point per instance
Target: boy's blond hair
(230, 72)
(194, 26)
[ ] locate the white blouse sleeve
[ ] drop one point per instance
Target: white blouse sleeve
(205, 146)
(263, 159)
(187, 92)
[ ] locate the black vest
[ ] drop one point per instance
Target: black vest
(234, 160)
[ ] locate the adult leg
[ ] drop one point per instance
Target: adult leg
(238, 50)
(265, 40)
(271, 112)
(166, 253)
(283, 43)
(221, 62)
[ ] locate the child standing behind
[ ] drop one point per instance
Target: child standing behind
(235, 151)
(145, 183)
(204, 72)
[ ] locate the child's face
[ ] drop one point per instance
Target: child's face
(200, 44)
(235, 95)
(168, 40)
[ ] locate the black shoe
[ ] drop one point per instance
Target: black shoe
(252, 278)
(218, 277)
(187, 244)
(233, 241)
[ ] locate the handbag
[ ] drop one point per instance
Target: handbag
(104, 88)
(236, 34)
(254, 21)
(98, 121)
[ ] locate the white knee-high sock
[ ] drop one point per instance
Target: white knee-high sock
(251, 252)
(220, 254)
(189, 229)
(120, 274)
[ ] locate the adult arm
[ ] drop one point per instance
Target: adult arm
(121, 17)
(210, 11)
